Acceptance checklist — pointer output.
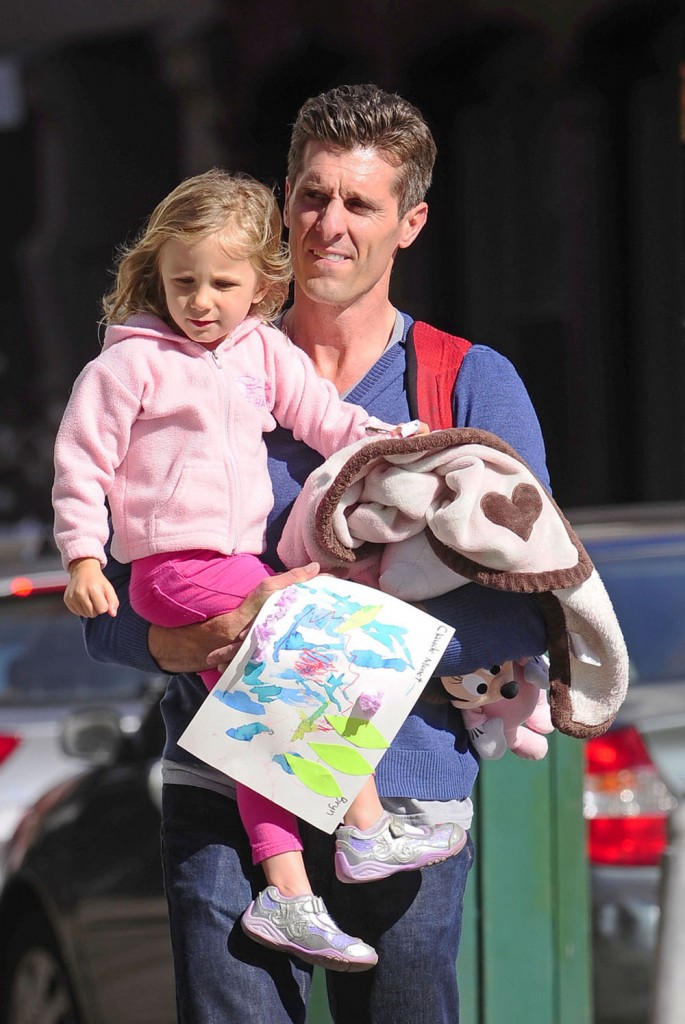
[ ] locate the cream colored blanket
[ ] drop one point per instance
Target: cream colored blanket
(423, 515)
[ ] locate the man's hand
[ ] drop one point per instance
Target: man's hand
(214, 643)
(244, 614)
(376, 428)
(88, 591)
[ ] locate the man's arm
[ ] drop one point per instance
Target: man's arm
(126, 639)
(492, 626)
(490, 395)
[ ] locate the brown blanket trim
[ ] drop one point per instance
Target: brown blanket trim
(561, 706)
(516, 582)
(518, 518)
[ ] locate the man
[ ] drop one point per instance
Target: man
(359, 166)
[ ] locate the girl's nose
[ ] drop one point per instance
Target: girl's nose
(201, 299)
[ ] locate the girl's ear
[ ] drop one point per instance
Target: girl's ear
(260, 293)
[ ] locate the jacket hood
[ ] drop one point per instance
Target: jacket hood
(141, 325)
(147, 325)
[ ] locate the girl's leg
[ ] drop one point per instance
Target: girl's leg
(170, 589)
(286, 915)
(180, 588)
(275, 841)
(366, 809)
(183, 587)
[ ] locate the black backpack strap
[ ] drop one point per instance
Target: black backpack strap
(434, 359)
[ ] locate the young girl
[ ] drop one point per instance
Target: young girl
(166, 424)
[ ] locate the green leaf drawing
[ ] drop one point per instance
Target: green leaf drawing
(358, 731)
(314, 776)
(343, 759)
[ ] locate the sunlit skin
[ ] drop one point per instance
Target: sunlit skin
(344, 232)
(208, 293)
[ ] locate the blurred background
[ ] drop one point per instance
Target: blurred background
(555, 235)
(556, 222)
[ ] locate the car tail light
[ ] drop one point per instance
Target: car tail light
(8, 744)
(625, 802)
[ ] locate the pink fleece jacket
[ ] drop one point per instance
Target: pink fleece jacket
(171, 434)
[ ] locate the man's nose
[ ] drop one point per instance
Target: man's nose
(332, 219)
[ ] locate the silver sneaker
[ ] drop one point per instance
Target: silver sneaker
(301, 926)
(393, 845)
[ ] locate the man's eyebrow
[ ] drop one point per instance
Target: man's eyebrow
(315, 184)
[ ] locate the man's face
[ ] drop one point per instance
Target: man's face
(344, 225)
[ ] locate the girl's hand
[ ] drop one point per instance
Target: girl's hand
(89, 592)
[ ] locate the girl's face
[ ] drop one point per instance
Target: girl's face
(207, 292)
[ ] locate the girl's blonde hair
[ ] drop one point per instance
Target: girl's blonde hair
(235, 206)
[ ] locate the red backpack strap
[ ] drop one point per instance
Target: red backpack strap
(434, 359)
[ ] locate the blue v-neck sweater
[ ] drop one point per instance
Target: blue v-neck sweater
(430, 758)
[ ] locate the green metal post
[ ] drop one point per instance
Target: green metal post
(525, 952)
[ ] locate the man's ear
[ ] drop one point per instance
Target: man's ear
(412, 224)
(285, 203)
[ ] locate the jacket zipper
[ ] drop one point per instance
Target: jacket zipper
(230, 460)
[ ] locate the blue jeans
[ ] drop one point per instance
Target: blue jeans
(223, 977)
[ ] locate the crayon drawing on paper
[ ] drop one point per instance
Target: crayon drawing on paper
(315, 695)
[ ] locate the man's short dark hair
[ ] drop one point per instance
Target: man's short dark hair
(365, 117)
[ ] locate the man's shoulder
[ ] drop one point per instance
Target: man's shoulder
(435, 342)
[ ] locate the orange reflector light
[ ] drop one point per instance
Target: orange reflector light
(21, 586)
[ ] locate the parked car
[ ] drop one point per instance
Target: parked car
(84, 934)
(45, 674)
(83, 927)
(636, 772)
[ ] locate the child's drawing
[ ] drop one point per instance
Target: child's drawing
(319, 688)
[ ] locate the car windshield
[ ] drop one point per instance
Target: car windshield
(645, 578)
(43, 659)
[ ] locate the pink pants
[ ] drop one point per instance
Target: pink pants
(180, 588)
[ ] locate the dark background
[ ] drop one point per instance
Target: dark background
(556, 226)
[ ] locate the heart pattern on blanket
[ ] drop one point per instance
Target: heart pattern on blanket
(518, 513)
